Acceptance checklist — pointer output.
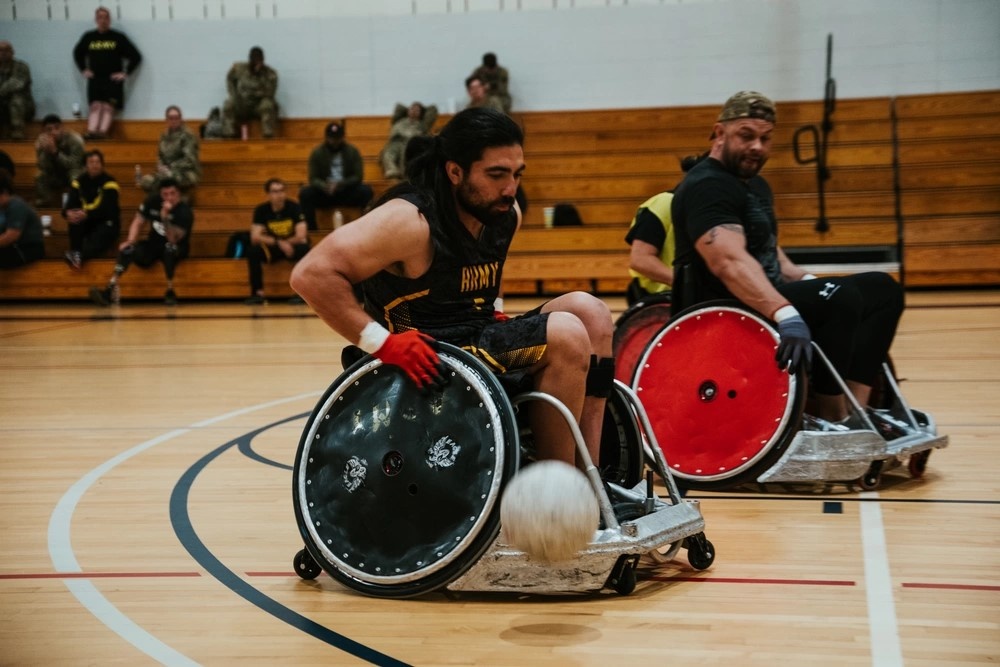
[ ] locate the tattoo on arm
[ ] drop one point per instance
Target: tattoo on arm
(714, 231)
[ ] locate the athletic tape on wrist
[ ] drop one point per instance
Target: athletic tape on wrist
(373, 336)
(498, 304)
(785, 313)
(808, 276)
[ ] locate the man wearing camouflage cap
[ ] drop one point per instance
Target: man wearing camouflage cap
(252, 86)
(726, 234)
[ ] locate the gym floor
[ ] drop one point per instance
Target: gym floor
(145, 509)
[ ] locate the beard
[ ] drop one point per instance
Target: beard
(737, 163)
(487, 212)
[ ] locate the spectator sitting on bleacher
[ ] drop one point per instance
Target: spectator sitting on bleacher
(170, 220)
(407, 123)
(478, 97)
(92, 212)
(60, 161)
(336, 175)
(177, 156)
(252, 86)
(21, 240)
(17, 106)
(651, 237)
(278, 232)
(495, 79)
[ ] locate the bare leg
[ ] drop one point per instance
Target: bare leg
(579, 326)
(862, 392)
(93, 118)
(831, 407)
(107, 115)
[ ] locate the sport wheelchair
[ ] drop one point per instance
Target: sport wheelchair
(397, 491)
(725, 415)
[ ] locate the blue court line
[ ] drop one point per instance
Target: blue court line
(183, 528)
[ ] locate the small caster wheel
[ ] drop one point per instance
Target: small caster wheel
(305, 566)
(626, 582)
(701, 552)
(622, 578)
(870, 481)
(917, 465)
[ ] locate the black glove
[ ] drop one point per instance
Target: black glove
(796, 344)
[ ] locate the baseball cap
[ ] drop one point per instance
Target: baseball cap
(748, 104)
(335, 129)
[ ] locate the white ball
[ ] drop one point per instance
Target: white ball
(549, 511)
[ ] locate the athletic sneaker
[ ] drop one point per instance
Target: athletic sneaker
(74, 259)
(110, 295)
(170, 298)
(254, 300)
(888, 426)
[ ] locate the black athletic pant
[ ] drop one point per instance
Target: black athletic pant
(144, 253)
(853, 319)
(258, 255)
(92, 239)
(312, 198)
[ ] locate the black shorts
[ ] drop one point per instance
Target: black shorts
(513, 345)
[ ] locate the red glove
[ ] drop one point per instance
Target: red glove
(413, 352)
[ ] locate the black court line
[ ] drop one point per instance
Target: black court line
(180, 519)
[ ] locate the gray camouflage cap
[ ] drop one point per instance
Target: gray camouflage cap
(748, 104)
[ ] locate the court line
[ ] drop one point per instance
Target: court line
(184, 529)
(883, 628)
(64, 559)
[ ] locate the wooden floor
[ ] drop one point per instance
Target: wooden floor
(145, 517)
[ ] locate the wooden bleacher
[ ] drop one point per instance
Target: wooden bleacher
(605, 162)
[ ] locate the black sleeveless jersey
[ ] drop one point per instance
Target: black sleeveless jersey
(453, 300)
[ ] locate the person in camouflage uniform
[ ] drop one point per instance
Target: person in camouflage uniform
(60, 161)
(494, 78)
(478, 97)
(251, 86)
(415, 121)
(178, 155)
(17, 106)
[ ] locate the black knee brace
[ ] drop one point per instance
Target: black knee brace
(600, 377)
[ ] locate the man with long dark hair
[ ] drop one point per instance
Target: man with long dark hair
(429, 260)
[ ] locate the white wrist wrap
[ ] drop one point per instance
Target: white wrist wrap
(784, 313)
(808, 276)
(372, 337)
(498, 304)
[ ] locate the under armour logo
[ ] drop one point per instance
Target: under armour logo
(828, 290)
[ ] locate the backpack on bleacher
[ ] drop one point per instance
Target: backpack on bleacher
(236, 247)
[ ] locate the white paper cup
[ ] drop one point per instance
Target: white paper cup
(547, 214)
